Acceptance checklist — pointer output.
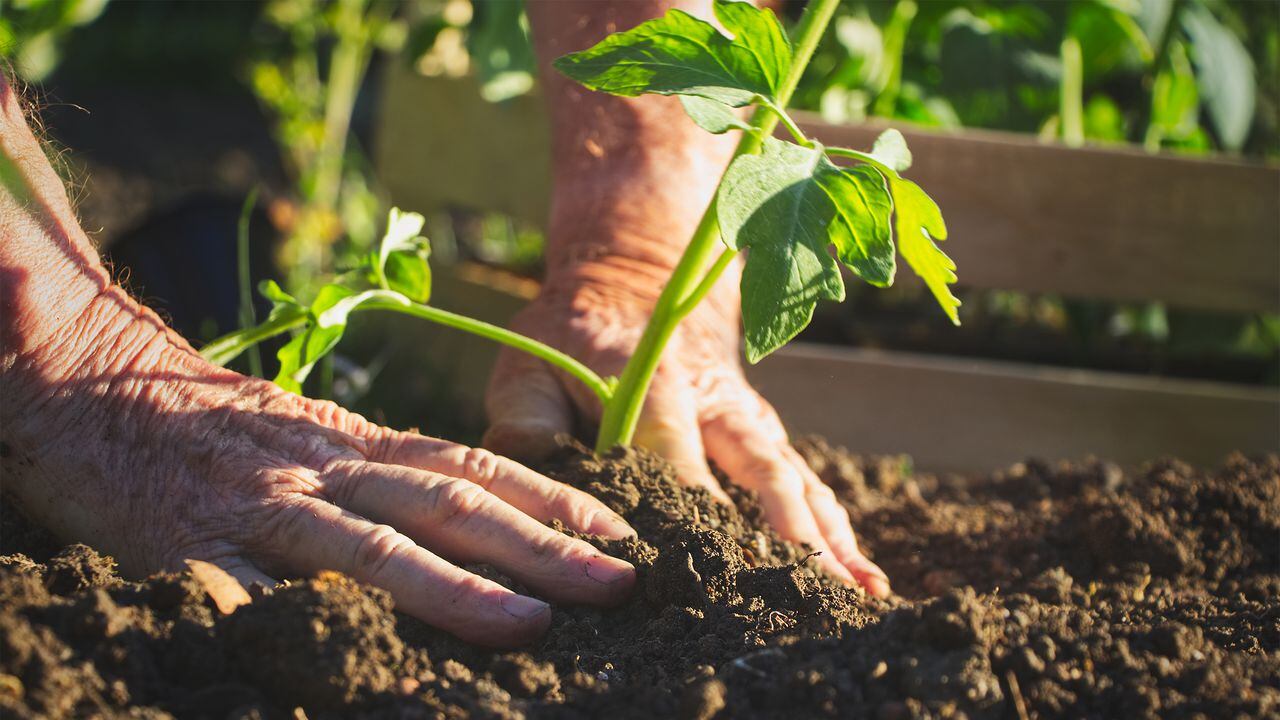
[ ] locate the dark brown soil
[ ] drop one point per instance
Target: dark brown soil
(1065, 591)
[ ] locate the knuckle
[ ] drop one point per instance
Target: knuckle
(457, 502)
(822, 492)
(384, 443)
(547, 544)
(845, 547)
(375, 551)
(765, 469)
(465, 592)
(480, 466)
(337, 481)
(278, 524)
(570, 505)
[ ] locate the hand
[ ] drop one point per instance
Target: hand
(121, 436)
(700, 404)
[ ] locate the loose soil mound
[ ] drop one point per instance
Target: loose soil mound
(1065, 591)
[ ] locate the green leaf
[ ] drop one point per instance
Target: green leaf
(788, 205)
(410, 275)
(1226, 76)
(712, 116)
(328, 322)
(272, 291)
(917, 224)
(761, 33)
(678, 54)
(861, 232)
(401, 261)
(1175, 99)
(891, 149)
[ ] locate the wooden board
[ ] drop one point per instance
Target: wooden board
(1104, 223)
(949, 414)
(974, 416)
(439, 144)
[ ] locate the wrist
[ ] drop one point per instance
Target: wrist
(92, 359)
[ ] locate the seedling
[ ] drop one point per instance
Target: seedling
(786, 202)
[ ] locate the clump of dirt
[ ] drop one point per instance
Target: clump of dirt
(1056, 591)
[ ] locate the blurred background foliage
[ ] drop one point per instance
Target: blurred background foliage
(1186, 76)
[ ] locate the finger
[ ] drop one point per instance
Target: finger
(749, 455)
(528, 491)
(467, 524)
(833, 522)
(245, 572)
(317, 536)
(527, 408)
(669, 427)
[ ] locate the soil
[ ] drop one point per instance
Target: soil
(1073, 590)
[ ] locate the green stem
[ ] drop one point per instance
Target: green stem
(1153, 134)
(895, 40)
(346, 67)
(1071, 99)
(247, 316)
(790, 125)
(598, 385)
(862, 156)
(227, 348)
(689, 279)
(721, 264)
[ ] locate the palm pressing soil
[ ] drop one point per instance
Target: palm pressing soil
(1064, 591)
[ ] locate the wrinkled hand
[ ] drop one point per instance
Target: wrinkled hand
(123, 437)
(700, 405)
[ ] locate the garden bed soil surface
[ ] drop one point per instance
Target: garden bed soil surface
(1041, 591)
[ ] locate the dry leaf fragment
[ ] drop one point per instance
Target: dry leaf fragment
(227, 592)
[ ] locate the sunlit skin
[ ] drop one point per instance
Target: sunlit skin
(116, 433)
(632, 177)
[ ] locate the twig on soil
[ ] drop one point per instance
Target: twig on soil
(227, 592)
(1019, 704)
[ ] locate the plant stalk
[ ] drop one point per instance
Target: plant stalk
(1152, 135)
(226, 349)
(1071, 93)
(245, 275)
(894, 45)
(691, 279)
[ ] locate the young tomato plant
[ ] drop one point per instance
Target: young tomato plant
(786, 203)
(394, 278)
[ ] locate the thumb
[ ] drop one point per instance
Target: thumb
(669, 426)
(527, 407)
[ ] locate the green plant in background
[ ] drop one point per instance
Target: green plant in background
(786, 202)
(1165, 73)
(31, 30)
(487, 38)
(310, 87)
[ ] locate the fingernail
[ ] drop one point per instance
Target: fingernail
(523, 607)
(876, 583)
(610, 525)
(608, 571)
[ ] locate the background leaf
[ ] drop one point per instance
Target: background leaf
(1226, 76)
(678, 54)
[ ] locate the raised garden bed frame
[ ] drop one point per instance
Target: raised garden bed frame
(1099, 223)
